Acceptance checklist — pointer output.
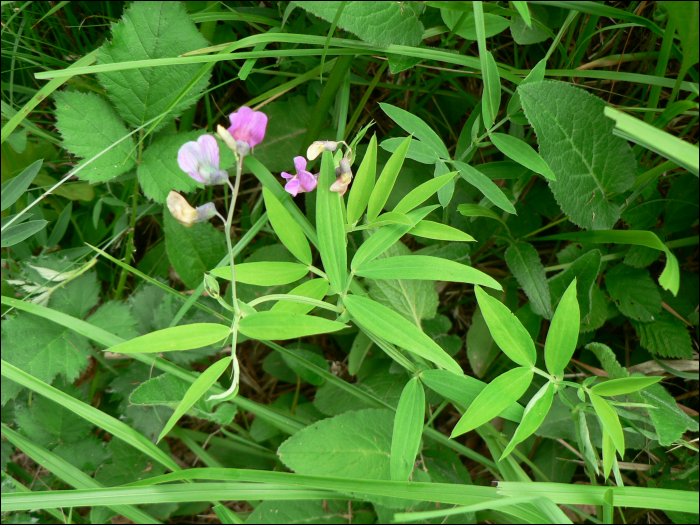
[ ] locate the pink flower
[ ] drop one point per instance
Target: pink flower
(304, 181)
(344, 179)
(248, 126)
(200, 160)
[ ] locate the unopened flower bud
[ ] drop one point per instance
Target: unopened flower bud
(211, 285)
(341, 184)
(243, 148)
(227, 138)
(205, 212)
(319, 147)
(181, 209)
(345, 165)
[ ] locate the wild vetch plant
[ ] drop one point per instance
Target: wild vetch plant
(282, 284)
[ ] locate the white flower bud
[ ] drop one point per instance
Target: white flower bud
(181, 209)
(319, 147)
(227, 139)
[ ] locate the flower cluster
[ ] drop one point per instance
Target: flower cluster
(305, 181)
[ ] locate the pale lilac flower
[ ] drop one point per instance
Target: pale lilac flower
(344, 175)
(185, 214)
(200, 160)
(304, 181)
(247, 128)
(319, 147)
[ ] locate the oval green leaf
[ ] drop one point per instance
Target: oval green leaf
(264, 273)
(508, 332)
(522, 153)
(194, 392)
(276, 325)
(331, 226)
(420, 194)
(184, 337)
(396, 329)
(408, 429)
(426, 268)
(19, 232)
(315, 289)
(611, 423)
(16, 186)
(498, 395)
(625, 385)
(563, 332)
(386, 180)
(440, 232)
(474, 210)
(535, 412)
(286, 228)
(363, 184)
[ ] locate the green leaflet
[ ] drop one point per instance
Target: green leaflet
(391, 326)
(387, 218)
(184, 337)
(440, 232)
(88, 125)
(149, 31)
(386, 180)
(485, 186)
(19, 232)
(14, 188)
(331, 226)
(474, 210)
(524, 261)
(463, 390)
(536, 75)
(417, 150)
(288, 231)
(416, 126)
(608, 453)
(426, 268)
(363, 184)
(381, 23)
(499, 394)
(625, 385)
(408, 429)
(666, 336)
(522, 153)
(493, 24)
(420, 194)
(508, 332)
(611, 423)
(314, 288)
(577, 143)
(634, 292)
(284, 325)
(585, 270)
(535, 412)
(264, 273)
(194, 392)
(492, 88)
(584, 436)
(563, 332)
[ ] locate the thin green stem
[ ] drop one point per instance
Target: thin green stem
(227, 228)
(296, 299)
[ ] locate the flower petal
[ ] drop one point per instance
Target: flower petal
(300, 164)
(189, 158)
(210, 151)
(286, 175)
(308, 180)
(240, 122)
(292, 187)
(257, 128)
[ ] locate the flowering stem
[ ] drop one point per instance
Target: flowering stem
(229, 219)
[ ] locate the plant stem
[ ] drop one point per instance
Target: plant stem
(227, 228)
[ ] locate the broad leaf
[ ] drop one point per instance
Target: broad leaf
(577, 143)
(89, 125)
(634, 292)
(535, 412)
(626, 385)
(611, 423)
(524, 261)
(386, 180)
(508, 332)
(184, 337)
(563, 332)
(493, 24)
(286, 228)
(408, 429)
(667, 336)
(391, 326)
(147, 31)
(264, 273)
(416, 126)
(276, 325)
(331, 226)
(499, 394)
(363, 183)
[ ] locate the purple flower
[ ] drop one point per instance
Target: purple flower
(200, 160)
(304, 181)
(248, 126)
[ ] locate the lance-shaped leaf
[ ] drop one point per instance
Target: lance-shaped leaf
(264, 273)
(535, 412)
(184, 337)
(363, 184)
(585, 437)
(485, 185)
(524, 261)
(608, 453)
(286, 228)
(500, 393)
(15, 187)
(386, 180)
(420, 194)
(397, 330)
(625, 385)
(508, 332)
(331, 226)
(408, 429)
(522, 153)
(424, 267)
(440, 232)
(315, 289)
(611, 423)
(563, 332)
(276, 325)
(194, 392)
(413, 124)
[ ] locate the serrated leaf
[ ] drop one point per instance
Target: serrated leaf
(147, 31)
(611, 423)
(563, 332)
(264, 273)
(634, 292)
(77, 297)
(397, 330)
(508, 332)
(498, 395)
(524, 261)
(381, 23)
(416, 126)
(284, 325)
(667, 336)
(363, 184)
(535, 412)
(192, 251)
(669, 421)
(116, 318)
(298, 511)
(88, 125)
(408, 429)
(577, 143)
(286, 228)
(127, 465)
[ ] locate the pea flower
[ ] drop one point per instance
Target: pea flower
(185, 213)
(247, 128)
(304, 181)
(319, 147)
(344, 177)
(200, 160)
